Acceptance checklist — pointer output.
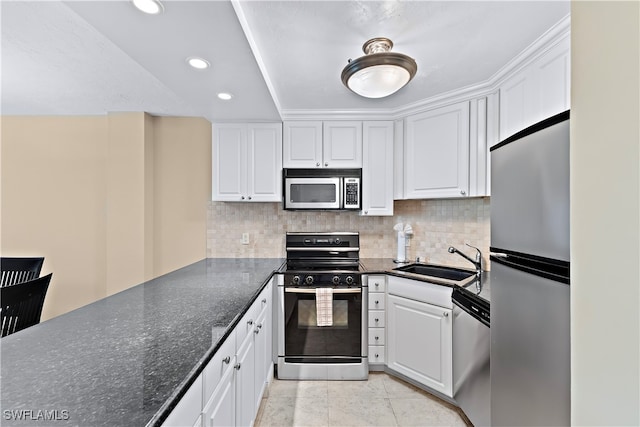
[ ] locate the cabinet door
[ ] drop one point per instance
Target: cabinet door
(419, 342)
(377, 168)
(229, 162)
(220, 409)
(517, 103)
(264, 148)
(554, 76)
(245, 378)
(262, 357)
(342, 144)
(188, 409)
(437, 153)
(302, 145)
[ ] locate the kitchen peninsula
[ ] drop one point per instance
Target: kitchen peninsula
(125, 360)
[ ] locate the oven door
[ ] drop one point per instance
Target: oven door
(306, 342)
(312, 193)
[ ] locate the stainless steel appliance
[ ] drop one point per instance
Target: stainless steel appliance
(322, 189)
(311, 347)
(471, 343)
(530, 341)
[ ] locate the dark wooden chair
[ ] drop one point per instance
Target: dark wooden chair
(17, 270)
(21, 304)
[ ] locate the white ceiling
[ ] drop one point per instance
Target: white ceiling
(276, 57)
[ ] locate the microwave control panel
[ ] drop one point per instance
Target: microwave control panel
(352, 193)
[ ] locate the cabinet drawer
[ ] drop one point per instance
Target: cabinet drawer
(376, 319)
(376, 354)
(376, 336)
(417, 290)
(377, 283)
(218, 365)
(376, 301)
(246, 324)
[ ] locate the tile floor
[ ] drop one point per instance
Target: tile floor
(381, 401)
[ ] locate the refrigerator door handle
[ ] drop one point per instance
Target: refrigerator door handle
(499, 255)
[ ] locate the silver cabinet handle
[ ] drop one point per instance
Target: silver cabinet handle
(377, 302)
(326, 164)
(463, 192)
(377, 284)
(226, 360)
(264, 300)
(250, 322)
(318, 164)
(376, 320)
(377, 355)
(376, 338)
(259, 325)
(242, 198)
(256, 331)
(445, 314)
(237, 366)
(366, 212)
(249, 197)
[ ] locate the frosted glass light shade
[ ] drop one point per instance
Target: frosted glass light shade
(379, 73)
(378, 81)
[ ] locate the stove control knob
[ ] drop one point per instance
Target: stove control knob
(296, 280)
(336, 280)
(308, 280)
(349, 280)
(337, 241)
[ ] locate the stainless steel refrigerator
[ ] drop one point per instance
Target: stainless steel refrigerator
(530, 341)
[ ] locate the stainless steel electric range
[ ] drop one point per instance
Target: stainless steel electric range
(322, 305)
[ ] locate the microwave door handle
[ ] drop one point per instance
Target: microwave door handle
(313, 291)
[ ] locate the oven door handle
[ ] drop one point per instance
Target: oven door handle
(313, 290)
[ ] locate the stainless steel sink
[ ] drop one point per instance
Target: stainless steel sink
(437, 271)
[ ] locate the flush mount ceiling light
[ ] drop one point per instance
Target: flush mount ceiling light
(380, 72)
(152, 7)
(225, 96)
(198, 63)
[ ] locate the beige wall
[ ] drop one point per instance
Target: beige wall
(605, 214)
(436, 224)
(109, 201)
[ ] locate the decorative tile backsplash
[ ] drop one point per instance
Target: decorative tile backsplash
(437, 224)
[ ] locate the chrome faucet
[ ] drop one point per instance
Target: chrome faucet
(478, 261)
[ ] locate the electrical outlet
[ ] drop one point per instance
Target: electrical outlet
(245, 238)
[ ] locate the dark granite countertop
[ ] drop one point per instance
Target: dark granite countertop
(126, 360)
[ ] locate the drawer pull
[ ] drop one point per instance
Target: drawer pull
(250, 322)
(226, 360)
(377, 302)
(237, 366)
(376, 320)
(445, 314)
(377, 355)
(264, 300)
(376, 338)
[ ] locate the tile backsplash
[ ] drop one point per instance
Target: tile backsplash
(437, 224)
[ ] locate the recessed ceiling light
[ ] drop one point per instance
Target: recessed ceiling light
(152, 7)
(225, 96)
(198, 63)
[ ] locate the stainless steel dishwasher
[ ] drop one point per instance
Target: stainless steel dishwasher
(471, 345)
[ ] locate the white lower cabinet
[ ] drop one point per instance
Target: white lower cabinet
(233, 382)
(419, 335)
(187, 411)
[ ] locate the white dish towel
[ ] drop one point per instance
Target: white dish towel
(324, 306)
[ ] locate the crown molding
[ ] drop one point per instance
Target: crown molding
(552, 37)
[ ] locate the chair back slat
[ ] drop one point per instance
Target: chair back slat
(21, 304)
(18, 270)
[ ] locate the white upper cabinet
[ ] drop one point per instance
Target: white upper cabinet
(377, 168)
(436, 153)
(342, 144)
(539, 90)
(317, 144)
(302, 145)
(247, 162)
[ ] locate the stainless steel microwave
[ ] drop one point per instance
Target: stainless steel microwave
(322, 189)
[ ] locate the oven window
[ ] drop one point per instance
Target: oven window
(313, 193)
(304, 338)
(308, 315)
